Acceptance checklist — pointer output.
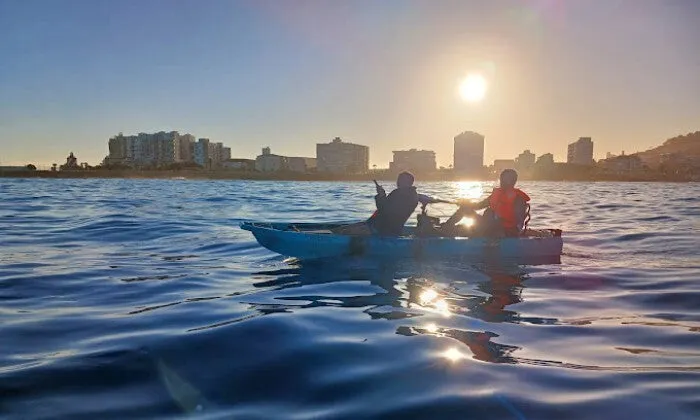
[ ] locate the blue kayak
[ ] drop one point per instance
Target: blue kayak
(308, 241)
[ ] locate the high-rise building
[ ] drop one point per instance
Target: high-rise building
(117, 150)
(187, 148)
(201, 153)
(525, 160)
(163, 149)
(469, 153)
(215, 153)
(340, 157)
(413, 160)
(166, 148)
(580, 152)
(225, 154)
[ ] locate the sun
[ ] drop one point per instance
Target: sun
(473, 88)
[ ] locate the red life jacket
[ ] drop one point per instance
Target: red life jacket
(502, 202)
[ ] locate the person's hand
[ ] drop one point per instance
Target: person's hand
(464, 203)
(380, 190)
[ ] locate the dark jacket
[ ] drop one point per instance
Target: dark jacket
(393, 211)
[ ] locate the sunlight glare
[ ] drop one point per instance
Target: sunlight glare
(473, 88)
(453, 354)
(443, 307)
(431, 328)
(469, 190)
(427, 296)
(466, 221)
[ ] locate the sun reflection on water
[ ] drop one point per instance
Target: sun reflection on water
(443, 307)
(453, 354)
(469, 190)
(431, 328)
(430, 296)
(427, 296)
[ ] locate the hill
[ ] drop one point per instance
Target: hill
(686, 146)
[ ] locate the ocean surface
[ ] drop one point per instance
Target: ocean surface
(144, 299)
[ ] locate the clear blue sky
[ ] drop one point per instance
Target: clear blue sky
(289, 74)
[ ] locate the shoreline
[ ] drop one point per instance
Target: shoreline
(315, 177)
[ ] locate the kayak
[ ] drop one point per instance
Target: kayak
(308, 241)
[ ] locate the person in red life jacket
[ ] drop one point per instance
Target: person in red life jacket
(392, 212)
(506, 211)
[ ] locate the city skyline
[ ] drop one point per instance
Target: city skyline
(386, 75)
(166, 148)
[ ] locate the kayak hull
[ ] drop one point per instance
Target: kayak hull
(307, 241)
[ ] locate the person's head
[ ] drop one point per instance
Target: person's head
(405, 179)
(508, 178)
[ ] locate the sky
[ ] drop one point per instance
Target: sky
(292, 73)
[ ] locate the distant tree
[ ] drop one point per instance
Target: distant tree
(31, 167)
(53, 167)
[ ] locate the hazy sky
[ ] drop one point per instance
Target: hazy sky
(291, 73)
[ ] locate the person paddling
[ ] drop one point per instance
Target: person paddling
(392, 212)
(395, 209)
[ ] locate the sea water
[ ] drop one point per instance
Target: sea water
(143, 298)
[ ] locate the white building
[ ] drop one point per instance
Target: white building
(267, 162)
(340, 157)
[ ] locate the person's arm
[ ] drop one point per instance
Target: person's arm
(476, 206)
(482, 204)
(520, 211)
(381, 200)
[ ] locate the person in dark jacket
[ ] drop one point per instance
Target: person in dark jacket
(395, 209)
(392, 212)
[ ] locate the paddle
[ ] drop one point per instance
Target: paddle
(426, 199)
(380, 189)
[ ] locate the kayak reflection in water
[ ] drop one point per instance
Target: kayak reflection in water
(392, 212)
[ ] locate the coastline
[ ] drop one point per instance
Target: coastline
(321, 177)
